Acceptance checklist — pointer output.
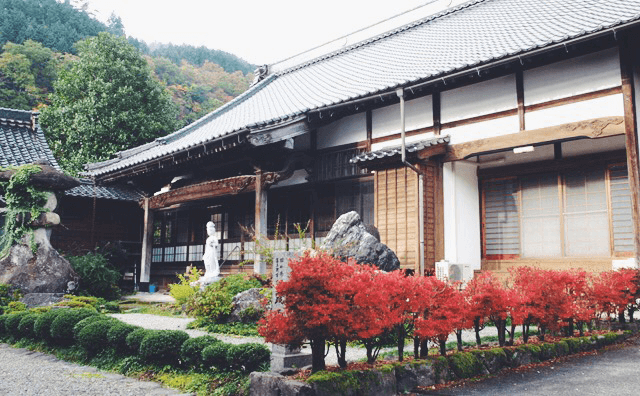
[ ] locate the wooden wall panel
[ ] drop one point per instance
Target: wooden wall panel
(396, 213)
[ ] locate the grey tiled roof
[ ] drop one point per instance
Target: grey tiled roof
(20, 143)
(464, 37)
(397, 150)
(115, 192)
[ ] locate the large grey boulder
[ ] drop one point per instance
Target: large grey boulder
(43, 272)
(247, 306)
(349, 237)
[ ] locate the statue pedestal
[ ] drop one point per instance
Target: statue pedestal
(204, 281)
(285, 356)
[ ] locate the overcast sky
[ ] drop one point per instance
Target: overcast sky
(259, 31)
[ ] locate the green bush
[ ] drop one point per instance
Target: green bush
(248, 357)
(2, 329)
(12, 322)
(465, 364)
(25, 327)
(8, 294)
(216, 355)
(97, 276)
(215, 301)
(191, 351)
(62, 326)
(111, 306)
(134, 339)
(163, 346)
(89, 320)
(182, 293)
(42, 325)
(93, 337)
(117, 335)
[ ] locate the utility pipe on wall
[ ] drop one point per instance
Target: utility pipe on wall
(400, 93)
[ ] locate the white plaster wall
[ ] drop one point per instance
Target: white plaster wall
(540, 153)
(479, 99)
(484, 129)
(592, 146)
(346, 130)
(461, 214)
(582, 74)
(398, 142)
(605, 106)
(418, 113)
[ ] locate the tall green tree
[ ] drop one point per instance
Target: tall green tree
(106, 101)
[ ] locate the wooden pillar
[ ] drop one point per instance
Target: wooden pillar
(631, 135)
(520, 96)
(147, 244)
(260, 265)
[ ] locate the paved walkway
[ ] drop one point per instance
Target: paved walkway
(27, 373)
(610, 372)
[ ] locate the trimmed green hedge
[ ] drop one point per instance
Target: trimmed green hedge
(191, 351)
(163, 346)
(93, 337)
(62, 326)
(134, 339)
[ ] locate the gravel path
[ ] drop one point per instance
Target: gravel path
(23, 373)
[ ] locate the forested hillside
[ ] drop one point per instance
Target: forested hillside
(38, 40)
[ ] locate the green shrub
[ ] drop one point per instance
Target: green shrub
(93, 337)
(89, 320)
(562, 348)
(16, 306)
(215, 301)
(574, 345)
(74, 304)
(191, 351)
(465, 364)
(12, 322)
(117, 335)
(547, 351)
(163, 346)
(182, 293)
(111, 306)
(42, 325)
(8, 293)
(25, 327)
(216, 355)
(134, 339)
(248, 357)
(97, 276)
(2, 329)
(62, 326)
(610, 338)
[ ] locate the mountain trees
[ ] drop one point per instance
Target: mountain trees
(106, 101)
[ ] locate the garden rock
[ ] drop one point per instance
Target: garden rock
(247, 306)
(43, 272)
(41, 299)
(409, 376)
(349, 237)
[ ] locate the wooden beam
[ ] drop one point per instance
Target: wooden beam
(260, 224)
(147, 243)
(520, 96)
(627, 51)
(369, 115)
(595, 128)
(432, 151)
(210, 189)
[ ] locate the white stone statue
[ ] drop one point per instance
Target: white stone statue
(210, 257)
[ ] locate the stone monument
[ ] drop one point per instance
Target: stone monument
(284, 356)
(32, 264)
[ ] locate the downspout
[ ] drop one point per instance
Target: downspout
(400, 93)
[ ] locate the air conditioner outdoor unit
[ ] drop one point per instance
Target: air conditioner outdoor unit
(447, 271)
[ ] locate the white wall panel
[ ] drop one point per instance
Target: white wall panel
(483, 98)
(592, 146)
(605, 106)
(346, 130)
(504, 158)
(484, 129)
(582, 74)
(385, 121)
(461, 214)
